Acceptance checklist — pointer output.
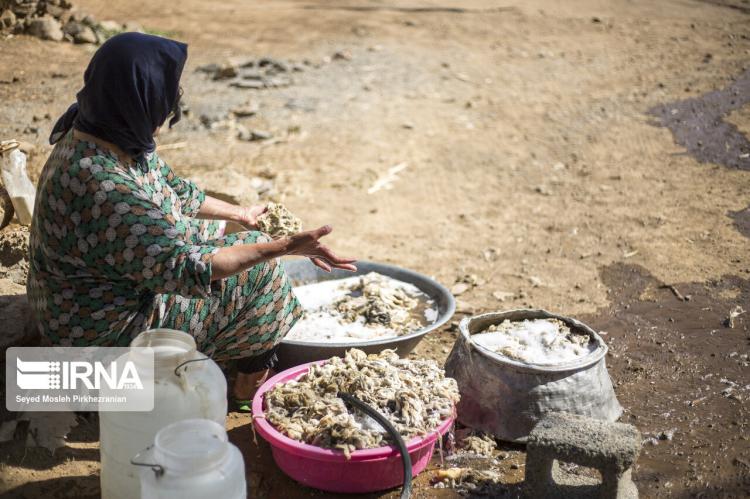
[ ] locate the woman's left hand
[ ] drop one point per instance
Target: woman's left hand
(248, 216)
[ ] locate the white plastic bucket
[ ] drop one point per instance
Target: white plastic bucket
(192, 459)
(506, 397)
(200, 391)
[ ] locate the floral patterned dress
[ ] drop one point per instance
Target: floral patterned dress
(115, 250)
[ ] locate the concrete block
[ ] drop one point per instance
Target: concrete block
(611, 448)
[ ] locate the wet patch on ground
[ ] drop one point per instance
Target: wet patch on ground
(699, 126)
(683, 376)
(742, 221)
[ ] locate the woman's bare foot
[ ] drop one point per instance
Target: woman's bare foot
(245, 385)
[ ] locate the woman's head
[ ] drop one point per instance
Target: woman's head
(131, 87)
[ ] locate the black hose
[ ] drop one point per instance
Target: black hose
(392, 431)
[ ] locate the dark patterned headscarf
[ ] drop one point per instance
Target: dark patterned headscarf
(130, 87)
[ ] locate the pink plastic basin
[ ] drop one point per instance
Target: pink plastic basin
(367, 470)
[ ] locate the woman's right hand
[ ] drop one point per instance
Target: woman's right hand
(308, 244)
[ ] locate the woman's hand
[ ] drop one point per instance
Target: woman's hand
(216, 209)
(308, 244)
(231, 260)
(248, 217)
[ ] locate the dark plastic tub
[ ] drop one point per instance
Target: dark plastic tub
(293, 353)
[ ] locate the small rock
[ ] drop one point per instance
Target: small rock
(471, 279)
(502, 295)
(733, 314)
(342, 55)
(209, 118)
(267, 173)
(111, 26)
(46, 28)
(275, 64)
(77, 16)
(248, 84)
(7, 19)
(228, 125)
(76, 28)
(490, 254)
(86, 35)
(252, 74)
(246, 63)
(225, 71)
(278, 82)
(132, 26)
(23, 9)
(251, 135)
(260, 185)
(535, 281)
(459, 288)
(55, 11)
(650, 441)
(667, 434)
(245, 111)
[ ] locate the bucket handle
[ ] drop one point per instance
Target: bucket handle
(176, 369)
(158, 469)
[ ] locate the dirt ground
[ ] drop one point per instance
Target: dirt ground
(579, 157)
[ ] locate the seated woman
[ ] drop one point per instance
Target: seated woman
(120, 244)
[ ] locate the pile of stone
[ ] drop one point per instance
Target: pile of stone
(56, 20)
(19, 328)
(265, 72)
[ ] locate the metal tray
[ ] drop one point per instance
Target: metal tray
(293, 353)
